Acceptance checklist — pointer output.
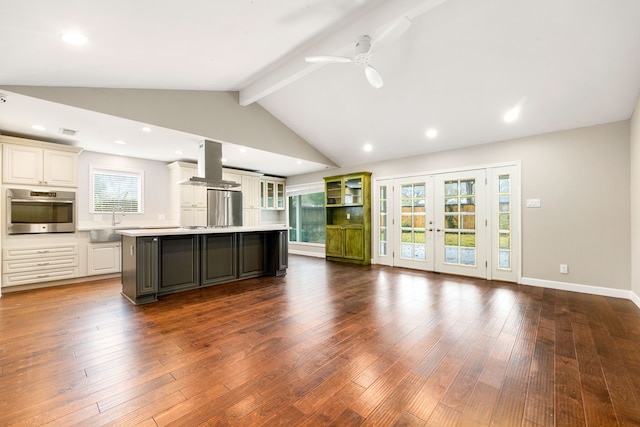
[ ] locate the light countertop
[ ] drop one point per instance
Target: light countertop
(147, 232)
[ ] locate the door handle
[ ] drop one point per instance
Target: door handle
(438, 229)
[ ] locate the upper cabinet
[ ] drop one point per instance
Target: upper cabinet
(272, 193)
(251, 199)
(344, 191)
(38, 163)
(188, 202)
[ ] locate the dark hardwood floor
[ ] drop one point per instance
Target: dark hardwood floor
(328, 344)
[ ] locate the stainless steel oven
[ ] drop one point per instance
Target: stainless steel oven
(30, 211)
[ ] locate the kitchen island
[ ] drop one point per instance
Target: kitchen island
(161, 261)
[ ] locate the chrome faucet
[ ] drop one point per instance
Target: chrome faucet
(114, 220)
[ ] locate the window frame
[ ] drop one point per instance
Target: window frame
(301, 190)
(116, 171)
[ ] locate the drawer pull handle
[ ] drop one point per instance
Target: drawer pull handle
(42, 276)
(43, 252)
(42, 263)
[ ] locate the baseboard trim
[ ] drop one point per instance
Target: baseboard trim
(573, 287)
(305, 253)
(635, 299)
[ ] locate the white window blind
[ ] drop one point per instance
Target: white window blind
(117, 189)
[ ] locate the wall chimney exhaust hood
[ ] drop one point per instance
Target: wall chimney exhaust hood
(209, 167)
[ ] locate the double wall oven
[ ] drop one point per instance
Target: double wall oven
(35, 211)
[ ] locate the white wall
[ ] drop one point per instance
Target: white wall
(582, 177)
(635, 202)
(156, 185)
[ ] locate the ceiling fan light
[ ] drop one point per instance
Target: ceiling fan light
(374, 78)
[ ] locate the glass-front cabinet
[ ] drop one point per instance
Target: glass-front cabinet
(344, 191)
(272, 194)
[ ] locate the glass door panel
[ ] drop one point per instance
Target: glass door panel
(334, 193)
(459, 216)
(382, 223)
(414, 227)
(353, 191)
(505, 216)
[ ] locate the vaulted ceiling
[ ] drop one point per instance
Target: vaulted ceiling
(458, 68)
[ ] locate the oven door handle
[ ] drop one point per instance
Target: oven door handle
(41, 200)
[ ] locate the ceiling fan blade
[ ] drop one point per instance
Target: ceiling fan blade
(326, 59)
(374, 78)
(391, 33)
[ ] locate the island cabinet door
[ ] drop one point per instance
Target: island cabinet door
(277, 252)
(147, 265)
(219, 258)
(179, 263)
(283, 250)
(251, 254)
(140, 269)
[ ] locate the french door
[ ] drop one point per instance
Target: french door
(459, 223)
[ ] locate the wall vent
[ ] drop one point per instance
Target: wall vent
(68, 132)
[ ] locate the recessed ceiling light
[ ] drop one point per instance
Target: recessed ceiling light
(432, 133)
(146, 129)
(179, 152)
(243, 150)
(119, 141)
(223, 160)
(38, 127)
(299, 162)
(74, 38)
(512, 115)
(367, 147)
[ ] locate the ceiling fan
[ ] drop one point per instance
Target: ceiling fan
(365, 47)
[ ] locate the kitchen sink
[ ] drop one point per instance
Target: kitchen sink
(108, 234)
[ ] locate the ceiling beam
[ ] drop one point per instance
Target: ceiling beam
(339, 43)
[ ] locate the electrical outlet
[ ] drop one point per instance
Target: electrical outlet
(348, 216)
(564, 269)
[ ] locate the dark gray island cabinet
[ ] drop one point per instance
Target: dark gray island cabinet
(163, 261)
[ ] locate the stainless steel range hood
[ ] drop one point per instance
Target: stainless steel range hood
(209, 167)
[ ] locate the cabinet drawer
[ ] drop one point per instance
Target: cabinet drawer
(40, 252)
(14, 279)
(42, 264)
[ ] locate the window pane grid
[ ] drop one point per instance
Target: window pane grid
(413, 220)
(504, 222)
(460, 222)
(382, 249)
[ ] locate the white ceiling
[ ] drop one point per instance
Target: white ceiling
(459, 67)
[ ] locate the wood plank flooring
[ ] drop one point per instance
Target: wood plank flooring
(327, 344)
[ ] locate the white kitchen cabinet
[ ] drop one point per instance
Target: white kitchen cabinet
(23, 265)
(251, 211)
(33, 164)
(232, 175)
(103, 258)
(273, 193)
(192, 217)
(188, 202)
